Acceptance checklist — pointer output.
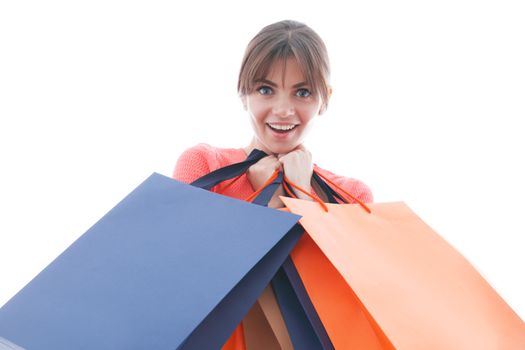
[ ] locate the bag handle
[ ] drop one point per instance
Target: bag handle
(260, 197)
(230, 171)
(363, 205)
(330, 193)
(287, 182)
(291, 194)
(265, 193)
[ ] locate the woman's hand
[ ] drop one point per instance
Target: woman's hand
(298, 168)
(297, 165)
(260, 172)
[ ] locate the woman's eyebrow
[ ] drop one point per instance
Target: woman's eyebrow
(300, 84)
(271, 83)
(266, 81)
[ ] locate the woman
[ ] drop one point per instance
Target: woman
(283, 85)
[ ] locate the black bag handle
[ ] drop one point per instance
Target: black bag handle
(230, 171)
(328, 191)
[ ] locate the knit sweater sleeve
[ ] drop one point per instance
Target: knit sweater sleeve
(195, 162)
(353, 186)
(358, 189)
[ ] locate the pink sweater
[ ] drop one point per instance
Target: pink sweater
(202, 159)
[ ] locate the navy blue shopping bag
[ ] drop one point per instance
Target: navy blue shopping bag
(172, 266)
(302, 321)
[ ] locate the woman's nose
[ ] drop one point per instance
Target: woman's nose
(284, 107)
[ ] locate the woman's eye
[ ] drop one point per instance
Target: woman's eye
(265, 90)
(303, 93)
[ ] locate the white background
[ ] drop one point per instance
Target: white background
(427, 107)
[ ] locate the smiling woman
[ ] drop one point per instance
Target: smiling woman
(283, 85)
(426, 108)
(281, 108)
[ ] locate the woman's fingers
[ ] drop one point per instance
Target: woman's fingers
(262, 170)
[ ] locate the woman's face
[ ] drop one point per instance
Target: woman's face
(281, 108)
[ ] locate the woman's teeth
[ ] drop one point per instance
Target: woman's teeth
(280, 127)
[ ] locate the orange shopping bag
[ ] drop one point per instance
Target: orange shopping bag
(385, 280)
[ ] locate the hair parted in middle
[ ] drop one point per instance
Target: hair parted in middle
(279, 41)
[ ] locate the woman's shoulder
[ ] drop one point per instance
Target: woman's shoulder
(202, 158)
(355, 187)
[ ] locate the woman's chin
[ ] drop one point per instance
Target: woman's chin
(274, 148)
(282, 149)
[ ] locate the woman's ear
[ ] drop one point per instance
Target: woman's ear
(325, 105)
(244, 103)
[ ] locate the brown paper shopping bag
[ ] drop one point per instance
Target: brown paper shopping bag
(264, 327)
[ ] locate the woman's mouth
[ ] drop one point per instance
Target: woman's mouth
(282, 128)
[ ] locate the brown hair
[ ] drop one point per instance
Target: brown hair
(281, 40)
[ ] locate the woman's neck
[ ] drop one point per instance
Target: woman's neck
(255, 144)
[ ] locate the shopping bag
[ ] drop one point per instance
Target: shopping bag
(264, 327)
(270, 308)
(171, 266)
(305, 328)
(344, 318)
(397, 280)
(302, 321)
(304, 325)
(258, 333)
(236, 341)
(348, 325)
(7, 345)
